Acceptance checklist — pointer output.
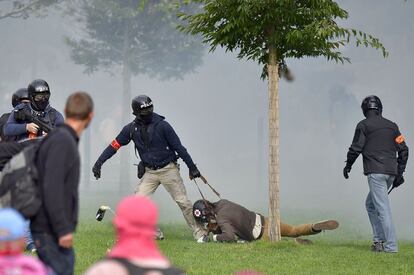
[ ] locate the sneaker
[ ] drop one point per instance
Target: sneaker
(159, 235)
(377, 247)
(325, 225)
(203, 239)
(30, 247)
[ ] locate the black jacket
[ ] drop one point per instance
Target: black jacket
(58, 163)
(378, 139)
(157, 143)
(3, 121)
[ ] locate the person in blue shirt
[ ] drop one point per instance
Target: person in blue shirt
(159, 148)
(39, 95)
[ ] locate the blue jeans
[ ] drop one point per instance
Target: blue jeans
(379, 211)
(29, 239)
(61, 260)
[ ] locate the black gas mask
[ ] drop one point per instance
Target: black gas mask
(145, 115)
(40, 101)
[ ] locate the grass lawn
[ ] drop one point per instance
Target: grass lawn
(338, 252)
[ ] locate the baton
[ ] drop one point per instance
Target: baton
(212, 189)
(199, 190)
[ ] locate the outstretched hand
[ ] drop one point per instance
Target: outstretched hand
(96, 169)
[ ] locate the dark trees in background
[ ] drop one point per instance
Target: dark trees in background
(133, 37)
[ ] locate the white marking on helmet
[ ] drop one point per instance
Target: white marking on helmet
(145, 104)
(42, 89)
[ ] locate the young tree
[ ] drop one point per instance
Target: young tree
(269, 32)
(133, 37)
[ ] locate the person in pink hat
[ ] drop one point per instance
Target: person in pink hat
(135, 250)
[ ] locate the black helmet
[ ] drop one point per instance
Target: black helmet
(202, 211)
(39, 94)
(371, 102)
(142, 105)
(19, 95)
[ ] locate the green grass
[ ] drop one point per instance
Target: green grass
(339, 252)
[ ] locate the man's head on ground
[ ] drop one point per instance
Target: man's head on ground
(12, 232)
(79, 110)
(204, 215)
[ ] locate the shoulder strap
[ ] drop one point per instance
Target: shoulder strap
(131, 135)
(52, 116)
(134, 269)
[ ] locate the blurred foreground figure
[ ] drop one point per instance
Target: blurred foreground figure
(12, 243)
(230, 222)
(19, 98)
(159, 148)
(58, 163)
(379, 139)
(135, 250)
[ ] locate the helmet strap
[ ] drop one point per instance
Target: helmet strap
(206, 203)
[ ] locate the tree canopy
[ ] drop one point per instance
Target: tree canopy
(297, 28)
(24, 8)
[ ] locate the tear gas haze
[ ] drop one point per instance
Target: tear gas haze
(220, 113)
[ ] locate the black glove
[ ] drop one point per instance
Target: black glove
(24, 114)
(346, 171)
(141, 169)
(399, 179)
(96, 169)
(194, 173)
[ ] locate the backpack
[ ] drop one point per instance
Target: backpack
(137, 270)
(18, 182)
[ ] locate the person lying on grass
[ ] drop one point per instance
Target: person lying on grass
(231, 222)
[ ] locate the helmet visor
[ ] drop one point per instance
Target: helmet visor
(41, 97)
(146, 111)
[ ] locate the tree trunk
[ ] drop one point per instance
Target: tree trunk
(126, 110)
(260, 149)
(274, 213)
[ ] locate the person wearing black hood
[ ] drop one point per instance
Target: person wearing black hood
(159, 148)
(379, 140)
(39, 94)
(19, 97)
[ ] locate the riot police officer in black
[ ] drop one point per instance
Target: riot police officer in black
(380, 141)
(20, 96)
(158, 147)
(39, 107)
